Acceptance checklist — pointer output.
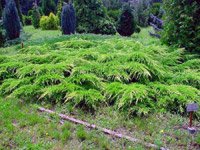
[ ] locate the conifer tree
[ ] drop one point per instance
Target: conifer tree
(68, 19)
(126, 23)
(36, 16)
(92, 17)
(48, 6)
(182, 24)
(11, 21)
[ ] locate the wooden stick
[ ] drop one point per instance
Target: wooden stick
(22, 45)
(107, 131)
(191, 116)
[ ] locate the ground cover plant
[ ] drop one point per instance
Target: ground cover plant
(90, 71)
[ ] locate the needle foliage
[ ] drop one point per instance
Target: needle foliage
(91, 71)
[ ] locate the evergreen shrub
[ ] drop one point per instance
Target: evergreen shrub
(36, 17)
(48, 6)
(49, 22)
(182, 24)
(93, 18)
(27, 20)
(126, 22)
(68, 20)
(11, 21)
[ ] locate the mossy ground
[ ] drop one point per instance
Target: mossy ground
(75, 70)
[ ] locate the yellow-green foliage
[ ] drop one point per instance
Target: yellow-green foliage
(50, 22)
(88, 71)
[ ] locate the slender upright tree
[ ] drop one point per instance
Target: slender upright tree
(68, 19)
(11, 21)
(36, 16)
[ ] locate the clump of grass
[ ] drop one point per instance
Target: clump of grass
(65, 136)
(81, 133)
(197, 139)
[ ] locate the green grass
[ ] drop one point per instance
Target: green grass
(23, 127)
(132, 85)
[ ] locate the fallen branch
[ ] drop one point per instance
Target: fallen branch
(107, 131)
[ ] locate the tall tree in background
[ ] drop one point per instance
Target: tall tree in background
(36, 16)
(11, 21)
(68, 19)
(19, 10)
(1, 9)
(112, 4)
(143, 12)
(48, 6)
(182, 24)
(92, 17)
(126, 23)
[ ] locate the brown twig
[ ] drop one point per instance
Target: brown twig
(107, 131)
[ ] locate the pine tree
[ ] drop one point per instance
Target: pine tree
(68, 19)
(92, 18)
(126, 23)
(36, 16)
(48, 6)
(11, 21)
(182, 24)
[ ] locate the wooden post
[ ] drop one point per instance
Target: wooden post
(22, 45)
(191, 116)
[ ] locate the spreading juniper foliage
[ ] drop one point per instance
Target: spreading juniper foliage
(36, 16)
(126, 24)
(11, 21)
(68, 20)
(90, 71)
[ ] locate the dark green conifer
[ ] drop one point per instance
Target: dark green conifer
(126, 23)
(11, 21)
(68, 19)
(48, 6)
(36, 16)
